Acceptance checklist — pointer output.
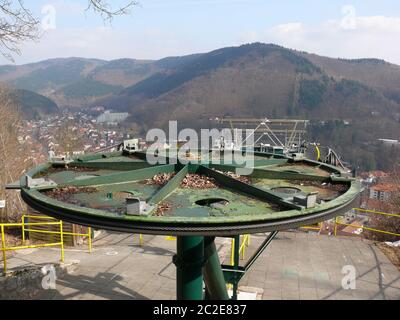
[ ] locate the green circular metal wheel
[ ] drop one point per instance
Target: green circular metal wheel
(195, 194)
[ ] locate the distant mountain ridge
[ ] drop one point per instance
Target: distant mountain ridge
(76, 82)
(253, 80)
(59, 78)
(259, 80)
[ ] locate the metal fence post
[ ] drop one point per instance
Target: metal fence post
(243, 246)
(3, 247)
(23, 229)
(90, 239)
(62, 240)
(335, 228)
(233, 252)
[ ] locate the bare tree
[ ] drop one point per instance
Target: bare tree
(15, 158)
(105, 10)
(18, 24)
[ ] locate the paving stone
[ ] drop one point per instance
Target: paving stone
(290, 284)
(290, 294)
(272, 294)
(308, 293)
(307, 283)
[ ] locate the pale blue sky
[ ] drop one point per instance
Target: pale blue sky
(159, 28)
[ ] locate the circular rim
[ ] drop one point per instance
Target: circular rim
(181, 227)
(192, 229)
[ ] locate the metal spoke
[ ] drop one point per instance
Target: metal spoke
(247, 189)
(170, 187)
(122, 177)
(272, 174)
(121, 166)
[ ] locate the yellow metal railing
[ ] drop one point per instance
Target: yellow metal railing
(337, 222)
(245, 242)
(313, 227)
(27, 227)
(62, 233)
(377, 212)
(4, 248)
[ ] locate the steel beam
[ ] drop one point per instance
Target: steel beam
(212, 271)
(189, 262)
(260, 250)
(170, 186)
(238, 185)
(236, 258)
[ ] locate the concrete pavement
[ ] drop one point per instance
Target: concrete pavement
(296, 265)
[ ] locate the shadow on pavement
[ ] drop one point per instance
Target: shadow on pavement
(103, 286)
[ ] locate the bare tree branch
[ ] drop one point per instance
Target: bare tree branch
(18, 24)
(15, 156)
(105, 10)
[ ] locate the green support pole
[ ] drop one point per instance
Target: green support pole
(236, 258)
(212, 271)
(189, 262)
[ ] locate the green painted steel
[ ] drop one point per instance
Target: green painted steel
(260, 250)
(254, 163)
(268, 154)
(236, 260)
(64, 210)
(233, 274)
(189, 262)
(251, 207)
(170, 186)
(272, 174)
(51, 206)
(97, 156)
(213, 275)
(269, 162)
(122, 166)
(248, 189)
(122, 177)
